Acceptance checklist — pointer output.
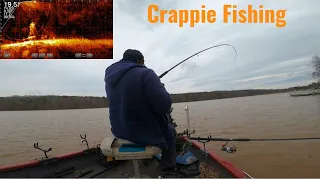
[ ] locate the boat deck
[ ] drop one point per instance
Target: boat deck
(92, 164)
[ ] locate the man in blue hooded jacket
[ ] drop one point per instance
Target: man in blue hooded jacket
(138, 103)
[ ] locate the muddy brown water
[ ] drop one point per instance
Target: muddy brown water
(266, 116)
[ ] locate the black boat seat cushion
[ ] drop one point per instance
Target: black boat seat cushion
(122, 149)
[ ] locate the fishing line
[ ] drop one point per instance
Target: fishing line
(247, 139)
(166, 72)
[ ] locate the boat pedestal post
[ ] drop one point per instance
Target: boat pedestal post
(188, 119)
(136, 168)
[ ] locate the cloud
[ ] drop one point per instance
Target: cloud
(267, 56)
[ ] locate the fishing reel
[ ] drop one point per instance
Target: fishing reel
(229, 149)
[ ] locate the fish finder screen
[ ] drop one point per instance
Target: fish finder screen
(56, 29)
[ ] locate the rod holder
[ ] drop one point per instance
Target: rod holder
(36, 146)
(84, 140)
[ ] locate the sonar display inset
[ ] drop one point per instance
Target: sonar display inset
(56, 29)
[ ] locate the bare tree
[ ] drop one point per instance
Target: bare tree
(316, 66)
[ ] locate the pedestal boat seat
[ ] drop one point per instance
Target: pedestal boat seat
(121, 149)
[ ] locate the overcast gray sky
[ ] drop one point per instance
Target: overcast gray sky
(268, 57)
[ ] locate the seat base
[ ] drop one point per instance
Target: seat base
(122, 149)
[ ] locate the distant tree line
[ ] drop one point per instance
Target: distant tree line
(315, 85)
(15, 103)
(202, 96)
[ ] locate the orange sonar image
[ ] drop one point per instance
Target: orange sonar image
(56, 29)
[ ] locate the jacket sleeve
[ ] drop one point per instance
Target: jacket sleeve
(156, 94)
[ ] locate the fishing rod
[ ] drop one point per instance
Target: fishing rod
(247, 139)
(166, 72)
(233, 149)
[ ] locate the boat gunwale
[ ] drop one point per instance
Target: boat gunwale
(10, 167)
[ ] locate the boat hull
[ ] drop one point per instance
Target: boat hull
(91, 163)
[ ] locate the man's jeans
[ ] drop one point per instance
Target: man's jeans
(168, 158)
